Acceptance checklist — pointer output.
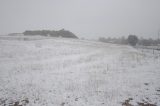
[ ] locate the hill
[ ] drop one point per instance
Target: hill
(60, 33)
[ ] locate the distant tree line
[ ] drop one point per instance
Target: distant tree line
(132, 40)
(120, 40)
(52, 33)
(149, 42)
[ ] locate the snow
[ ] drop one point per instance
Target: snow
(45, 71)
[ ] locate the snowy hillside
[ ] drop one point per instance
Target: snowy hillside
(44, 71)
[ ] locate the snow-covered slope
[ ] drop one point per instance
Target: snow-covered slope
(67, 72)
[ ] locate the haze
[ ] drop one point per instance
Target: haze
(85, 18)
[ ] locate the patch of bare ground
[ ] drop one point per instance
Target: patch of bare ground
(15, 103)
(126, 102)
(144, 103)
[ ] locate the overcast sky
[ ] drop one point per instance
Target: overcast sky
(85, 18)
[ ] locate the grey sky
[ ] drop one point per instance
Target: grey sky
(85, 18)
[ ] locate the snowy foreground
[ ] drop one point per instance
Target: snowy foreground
(39, 71)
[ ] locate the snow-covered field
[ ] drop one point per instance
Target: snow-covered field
(41, 71)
